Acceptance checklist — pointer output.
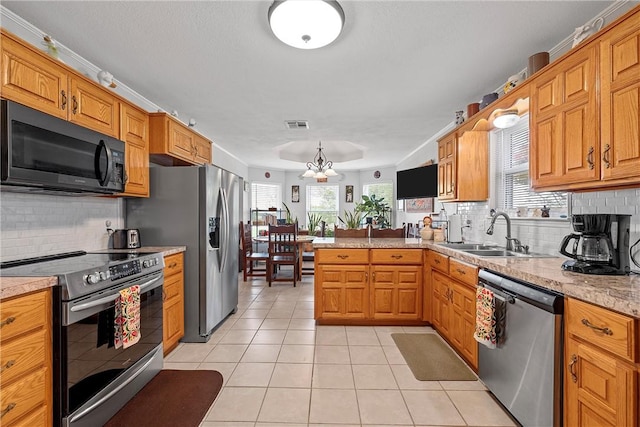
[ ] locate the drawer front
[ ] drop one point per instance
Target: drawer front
(22, 396)
(173, 264)
(343, 256)
(173, 287)
(463, 272)
(439, 261)
(21, 314)
(611, 331)
(22, 355)
(396, 256)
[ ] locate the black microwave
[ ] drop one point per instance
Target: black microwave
(45, 154)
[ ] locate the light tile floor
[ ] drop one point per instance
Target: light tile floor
(280, 369)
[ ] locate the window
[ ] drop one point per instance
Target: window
(324, 201)
(511, 173)
(265, 196)
(383, 189)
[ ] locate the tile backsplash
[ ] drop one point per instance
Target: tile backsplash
(545, 234)
(34, 225)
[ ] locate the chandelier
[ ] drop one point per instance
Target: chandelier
(306, 24)
(320, 168)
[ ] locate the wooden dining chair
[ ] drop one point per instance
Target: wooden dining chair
(351, 232)
(283, 250)
(388, 232)
(249, 258)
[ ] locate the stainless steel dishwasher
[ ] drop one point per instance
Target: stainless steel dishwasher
(524, 371)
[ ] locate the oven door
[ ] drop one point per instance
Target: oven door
(96, 378)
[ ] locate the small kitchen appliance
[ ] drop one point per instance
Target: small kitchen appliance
(594, 251)
(126, 239)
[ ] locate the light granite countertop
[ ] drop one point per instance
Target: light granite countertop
(618, 293)
(14, 286)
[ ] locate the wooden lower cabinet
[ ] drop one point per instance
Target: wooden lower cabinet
(600, 378)
(396, 292)
(26, 360)
(454, 304)
(173, 302)
(342, 291)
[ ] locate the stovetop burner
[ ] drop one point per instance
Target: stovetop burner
(80, 273)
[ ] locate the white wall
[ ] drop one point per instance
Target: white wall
(35, 225)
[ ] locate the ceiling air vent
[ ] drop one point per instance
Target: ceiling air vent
(297, 124)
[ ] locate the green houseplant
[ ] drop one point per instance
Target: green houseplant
(377, 209)
(352, 219)
(313, 222)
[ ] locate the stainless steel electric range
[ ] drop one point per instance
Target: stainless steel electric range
(93, 379)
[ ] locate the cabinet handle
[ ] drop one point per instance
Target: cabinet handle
(341, 256)
(574, 359)
(450, 295)
(396, 256)
(590, 158)
(7, 365)
(64, 99)
(75, 104)
(173, 265)
(453, 185)
(605, 156)
(373, 275)
(461, 271)
(437, 261)
(7, 321)
(605, 331)
(6, 410)
(126, 177)
(164, 296)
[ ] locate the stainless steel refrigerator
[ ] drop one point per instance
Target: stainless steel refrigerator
(197, 207)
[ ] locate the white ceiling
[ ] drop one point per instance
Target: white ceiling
(394, 77)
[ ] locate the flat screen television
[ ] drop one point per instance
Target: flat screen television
(417, 183)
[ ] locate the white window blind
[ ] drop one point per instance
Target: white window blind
(324, 201)
(265, 196)
(512, 173)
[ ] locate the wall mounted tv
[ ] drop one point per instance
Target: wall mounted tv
(417, 183)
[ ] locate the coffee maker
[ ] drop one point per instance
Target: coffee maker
(593, 249)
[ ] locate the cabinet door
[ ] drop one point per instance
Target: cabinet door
(472, 160)
(447, 168)
(32, 79)
(342, 292)
(441, 303)
(202, 150)
(134, 131)
(93, 107)
(464, 321)
(600, 390)
(396, 292)
(620, 88)
(173, 312)
(180, 142)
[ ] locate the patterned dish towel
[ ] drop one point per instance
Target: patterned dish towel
(127, 321)
(485, 317)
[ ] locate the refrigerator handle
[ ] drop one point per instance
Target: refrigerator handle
(225, 227)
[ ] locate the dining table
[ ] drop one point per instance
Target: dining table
(301, 240)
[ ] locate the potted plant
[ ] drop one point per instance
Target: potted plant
(313, 221)
(352, 219)
(377, 209)
(288, 218)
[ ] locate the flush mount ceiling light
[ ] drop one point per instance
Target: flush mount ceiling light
(506, 119)
(320, 168)
(306, 24)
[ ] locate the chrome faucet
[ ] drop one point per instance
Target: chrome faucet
(510, 240)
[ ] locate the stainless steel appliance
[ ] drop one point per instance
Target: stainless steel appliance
(594, 251)
(524, 371)
(92, 379)
(42, 153)
(126, 239)
(196, 206)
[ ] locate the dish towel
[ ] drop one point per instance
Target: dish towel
(127, 321)
(485, 332)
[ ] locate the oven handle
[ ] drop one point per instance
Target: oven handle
(110, 298)
(111, 393)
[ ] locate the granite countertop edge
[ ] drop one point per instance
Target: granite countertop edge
(618, 293)
(16, 286)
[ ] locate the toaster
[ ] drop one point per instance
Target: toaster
(126, 239)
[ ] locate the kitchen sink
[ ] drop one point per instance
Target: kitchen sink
(501, 252)
(465, 246)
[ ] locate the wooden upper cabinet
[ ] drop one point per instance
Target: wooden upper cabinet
(564, 145)
(173, 143)
(134, 131)
(447, 168)
(33, 80)
(620, 86)
(93, 107)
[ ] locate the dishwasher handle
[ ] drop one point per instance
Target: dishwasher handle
(502, 294)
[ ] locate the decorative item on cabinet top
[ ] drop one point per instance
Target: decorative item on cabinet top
(583, 32)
